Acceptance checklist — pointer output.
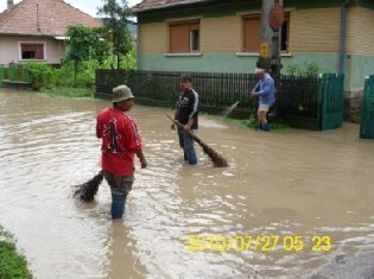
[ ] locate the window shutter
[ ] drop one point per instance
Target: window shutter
(179, 38)
(252, 32)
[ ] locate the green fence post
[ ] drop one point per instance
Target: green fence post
(1, 75)
(367, 110)
(332, 101)
(320, 101)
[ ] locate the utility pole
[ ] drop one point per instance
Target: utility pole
(272, 18)
(264, 60)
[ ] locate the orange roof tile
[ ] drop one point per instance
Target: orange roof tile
(43, 17)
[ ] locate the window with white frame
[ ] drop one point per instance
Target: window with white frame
(32, 51)
(252, 33)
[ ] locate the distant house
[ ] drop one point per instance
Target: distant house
(34, 30)
(224, 36)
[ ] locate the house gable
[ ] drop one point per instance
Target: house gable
(43, 17)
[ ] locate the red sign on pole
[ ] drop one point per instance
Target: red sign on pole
(276, 17)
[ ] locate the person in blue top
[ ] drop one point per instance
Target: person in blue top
(265, 89)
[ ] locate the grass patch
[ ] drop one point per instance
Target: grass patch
(69, 92)
(12, 263)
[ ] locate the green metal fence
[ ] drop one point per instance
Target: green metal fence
(298, 101)
(367, 110)
(216, 90)
(309, 103)
(16, 72)
(332, 90)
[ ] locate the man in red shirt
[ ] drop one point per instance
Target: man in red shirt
(120, 141)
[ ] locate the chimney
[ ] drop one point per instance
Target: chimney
(10, 4)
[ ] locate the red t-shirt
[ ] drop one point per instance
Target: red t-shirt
(120, 140)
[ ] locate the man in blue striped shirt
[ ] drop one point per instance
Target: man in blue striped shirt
(187, 113)
(265, 89)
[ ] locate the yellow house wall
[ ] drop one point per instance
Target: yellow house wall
(153, 38)
(360, 31)
(311, 30)
(223, 34)
(315, 30)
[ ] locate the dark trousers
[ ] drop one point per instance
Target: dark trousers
(120, 186)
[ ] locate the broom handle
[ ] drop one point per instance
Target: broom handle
(189, 133)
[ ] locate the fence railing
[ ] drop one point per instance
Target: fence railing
(216, 90)
(299, 98)
(16, 72)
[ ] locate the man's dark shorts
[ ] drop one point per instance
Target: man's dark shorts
(119, 185)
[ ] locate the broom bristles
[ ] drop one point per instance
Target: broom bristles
(217, 160)
(86, 192)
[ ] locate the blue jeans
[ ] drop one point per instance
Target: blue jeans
(118, 205)
(187, 144)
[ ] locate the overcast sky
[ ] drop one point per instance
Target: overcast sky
(87, 6)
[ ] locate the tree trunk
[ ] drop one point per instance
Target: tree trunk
(75, 72)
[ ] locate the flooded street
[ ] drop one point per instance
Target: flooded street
(289, 183)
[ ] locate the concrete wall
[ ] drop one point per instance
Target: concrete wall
(10, 49)
(229, 62)
(360, 57)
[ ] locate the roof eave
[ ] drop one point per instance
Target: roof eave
(144, 10)
(29, 34)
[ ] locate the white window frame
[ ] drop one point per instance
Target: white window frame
(44, 43)
(191, 43)
(169, 21)
(257, 54)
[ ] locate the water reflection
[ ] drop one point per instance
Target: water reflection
(123, 263)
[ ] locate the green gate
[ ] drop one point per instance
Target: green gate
(332, 88)
(367, 110)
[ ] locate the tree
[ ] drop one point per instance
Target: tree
(100, 49)
(115, 19)
(84, 44)
(81, 39)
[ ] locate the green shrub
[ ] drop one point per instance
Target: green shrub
(12, 264)
(41, 75)
(309, 70)
(64, 76)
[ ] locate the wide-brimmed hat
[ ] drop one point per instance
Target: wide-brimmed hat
(122, 93)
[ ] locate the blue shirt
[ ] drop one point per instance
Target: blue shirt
(266, 90)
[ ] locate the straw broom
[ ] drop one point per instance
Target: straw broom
(86, 192)
(217, 160)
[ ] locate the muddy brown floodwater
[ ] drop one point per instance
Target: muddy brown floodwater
(286, 184)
